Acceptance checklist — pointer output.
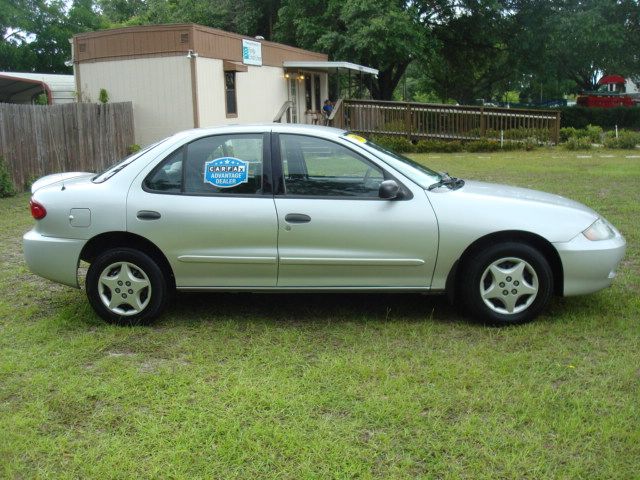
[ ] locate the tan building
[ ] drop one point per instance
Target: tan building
(186, 75)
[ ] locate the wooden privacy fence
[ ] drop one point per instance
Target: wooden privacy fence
(452, 122)
(37, 140)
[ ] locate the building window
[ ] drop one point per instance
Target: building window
(230, 91)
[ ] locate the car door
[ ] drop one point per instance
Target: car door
(335, 231)
(209, 207)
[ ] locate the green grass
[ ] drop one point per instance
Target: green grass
(331, 386)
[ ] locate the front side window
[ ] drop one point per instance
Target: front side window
(230, 93)
(317, 167)
(222, 164)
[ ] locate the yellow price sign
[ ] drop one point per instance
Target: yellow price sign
(357, 138)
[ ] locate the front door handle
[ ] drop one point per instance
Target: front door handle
(148, 215)
(297, 218)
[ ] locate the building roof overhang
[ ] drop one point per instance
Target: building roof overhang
(331, 67)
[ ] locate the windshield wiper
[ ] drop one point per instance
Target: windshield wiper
(447, 181)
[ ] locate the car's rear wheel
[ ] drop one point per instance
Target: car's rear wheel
(125, 286)
(507, 283)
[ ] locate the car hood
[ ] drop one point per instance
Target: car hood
(481, 208)
(498, 191)
(57, 178)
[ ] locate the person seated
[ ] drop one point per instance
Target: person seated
(327, 109)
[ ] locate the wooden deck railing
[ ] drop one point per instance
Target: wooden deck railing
(455, 122)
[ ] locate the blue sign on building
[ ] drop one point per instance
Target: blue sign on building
(226, 172)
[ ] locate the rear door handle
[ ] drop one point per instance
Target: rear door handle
(297, 218)
(148, 215)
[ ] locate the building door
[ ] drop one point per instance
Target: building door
(293, 98)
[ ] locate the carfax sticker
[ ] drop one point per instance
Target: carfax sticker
(226, 172)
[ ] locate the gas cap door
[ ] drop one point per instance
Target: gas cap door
(80, 217)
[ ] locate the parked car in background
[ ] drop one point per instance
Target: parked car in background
(290, 208)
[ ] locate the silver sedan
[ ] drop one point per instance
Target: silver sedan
(289, 208)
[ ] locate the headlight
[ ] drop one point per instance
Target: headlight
(600, 230)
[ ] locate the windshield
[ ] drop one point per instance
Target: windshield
(128, 160)
(420, 174)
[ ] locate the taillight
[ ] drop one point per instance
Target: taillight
(37, 210)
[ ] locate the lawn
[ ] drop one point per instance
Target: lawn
(331, 386)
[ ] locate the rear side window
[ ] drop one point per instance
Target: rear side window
(222, 164)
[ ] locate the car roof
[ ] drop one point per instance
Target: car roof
(316, 130)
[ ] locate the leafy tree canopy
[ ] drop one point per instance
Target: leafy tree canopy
(447, 49)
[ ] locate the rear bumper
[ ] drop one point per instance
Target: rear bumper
(53, 258)
(589, 266)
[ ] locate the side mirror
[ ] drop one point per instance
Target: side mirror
(388, 190)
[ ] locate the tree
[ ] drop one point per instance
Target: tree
(385, 34)
(472, 59)
(36, 33)
(577, 40)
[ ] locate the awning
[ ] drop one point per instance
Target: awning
(231, 66)
(331, 67)
(23, 87)
(607, 79)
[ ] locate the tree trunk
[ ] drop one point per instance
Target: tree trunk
(387, 81)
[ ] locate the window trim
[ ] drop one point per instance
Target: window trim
(279, 181)
(267, 184)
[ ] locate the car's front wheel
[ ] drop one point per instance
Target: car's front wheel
(126, 286)
(507, 283)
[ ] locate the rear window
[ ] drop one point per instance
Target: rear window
(128, 160)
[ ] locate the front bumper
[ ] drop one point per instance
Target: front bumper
(53, 258)
(589, 266)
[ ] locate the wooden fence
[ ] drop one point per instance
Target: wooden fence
(452, 122)
(37, 140)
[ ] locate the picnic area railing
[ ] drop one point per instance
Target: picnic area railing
(447, 122)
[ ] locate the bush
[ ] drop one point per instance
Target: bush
(131, 149)
(103, 96)
(539, 134)
(7, 188)
(566, 133)
(396, 144)
(482, 146)
(439, 146)
(607, 118)
(578, 143)
(594, 133)
(626, 140)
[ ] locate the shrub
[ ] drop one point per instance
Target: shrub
(395, 126)
(397, 144)
(131, 149)
(537, 134)
(578, 143)
(626, 140)
(104, 96)
(7, 188)
(608, 118)
(594, 132)
(41, 99)
(440, 146)
(482, 146)
(566, 133)
(530, 143)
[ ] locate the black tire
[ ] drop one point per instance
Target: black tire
(144, 296)
(484, 273)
